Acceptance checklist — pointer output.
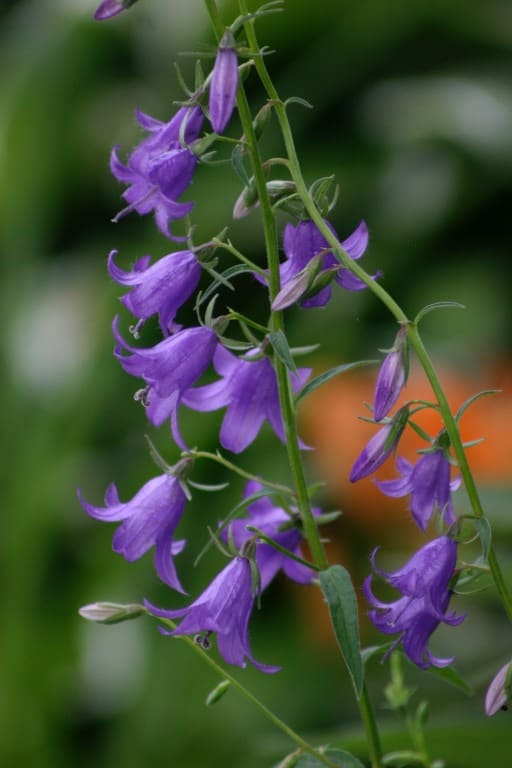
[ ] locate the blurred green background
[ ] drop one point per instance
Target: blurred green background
(413, 113)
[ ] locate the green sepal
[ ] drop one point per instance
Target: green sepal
(340, 596)
(473, 399)
(238, 164)
(451, 676)
(280, 346)
(435, 306)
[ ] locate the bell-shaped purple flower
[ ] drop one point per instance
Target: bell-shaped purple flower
(499, 692)
(271, 520)
(149, 519)
(109, 8)
(160, 288)
(249, 390)
(392, 377)
(425, 586)
(224, 84)
(225, 608)
(303, 243)
(160, 169)
(169, 369)
(381, 445)
(428, 482)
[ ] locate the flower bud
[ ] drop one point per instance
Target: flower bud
(109, 8)
(111, 613)
(377, 450)
(498, 693)
(392, 376)
(224, 83)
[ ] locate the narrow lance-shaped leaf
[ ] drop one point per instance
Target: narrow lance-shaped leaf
(339, 593)
(330, 374)
(337, 757)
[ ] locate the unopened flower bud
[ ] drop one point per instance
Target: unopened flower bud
(499, 692)
(224, 83)
(300, 283)
(392, 376)
(111, 613)
(377, 450)
(109, 8)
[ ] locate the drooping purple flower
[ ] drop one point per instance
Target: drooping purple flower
(160, 288)
(160, 168)
(498, 693)
(169, 369)
(224, 608)
(428, 482)
(109, 8)
(379, 447)
(149, 519)
(263, 514)
(249, 390)
(424, 583)
(303, 243)
(392, 377)
(224, 83)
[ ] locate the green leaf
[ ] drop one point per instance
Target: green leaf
(330, 374)
(280, 345)
(217, 693)
(339, 593)
(437, 305)
(337, 756)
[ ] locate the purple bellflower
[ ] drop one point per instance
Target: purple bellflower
(498, 693)
(224, 608)
(424, 584)
(160, 288)
(428, 482)
(149, 519)
(224, 84)
(160, 168)
(249, 390)
(302, 244)
(392, 377)
(379, 447)
(109, 8)
(169, 369)
(270, 519)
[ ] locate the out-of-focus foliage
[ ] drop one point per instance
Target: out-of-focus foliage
(413, 113)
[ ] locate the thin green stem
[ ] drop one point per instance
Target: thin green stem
(286, 398)
(302, 743)
(384, 297)
(460, 454)
(370, 726)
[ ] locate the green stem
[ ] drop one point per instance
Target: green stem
(385, 298)
(460, 454)
(302, 743)
(370, 726)
(286, 398)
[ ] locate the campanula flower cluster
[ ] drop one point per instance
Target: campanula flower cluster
(156, 174)
(429, 486)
